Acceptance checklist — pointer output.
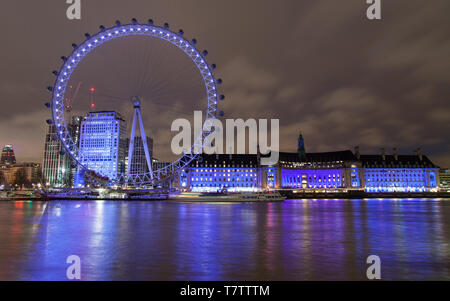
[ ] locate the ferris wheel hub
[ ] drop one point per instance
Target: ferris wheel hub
(136, 102)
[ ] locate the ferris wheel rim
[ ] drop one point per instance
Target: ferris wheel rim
(71, 62)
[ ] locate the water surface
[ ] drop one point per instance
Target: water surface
(293, 240)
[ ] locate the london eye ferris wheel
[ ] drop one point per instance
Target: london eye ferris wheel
(61, 88)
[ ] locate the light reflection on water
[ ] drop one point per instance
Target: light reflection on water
(293, 240)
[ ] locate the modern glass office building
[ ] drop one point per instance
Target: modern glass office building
(102, 145)
(57, 168)
(139, 161)
(55, 164)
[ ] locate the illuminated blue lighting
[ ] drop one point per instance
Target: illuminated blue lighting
(311, 178)
(399, 180)
(271, 178)
(101, 138)
(213, 179)
(355, 177)
(106, 35)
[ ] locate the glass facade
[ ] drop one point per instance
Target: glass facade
(139, 162)
(103, 143)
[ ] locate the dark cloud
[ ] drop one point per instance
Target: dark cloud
(319, 66)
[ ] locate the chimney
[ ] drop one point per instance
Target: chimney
(419, 153)
(395, 153)
(357, 154)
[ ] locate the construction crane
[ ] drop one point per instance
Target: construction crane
(70, 100)
(91, 92)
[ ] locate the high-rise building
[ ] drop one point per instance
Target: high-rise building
(8, 156)
(55, 165)
(139, 161)
(103, 143)
(57, 170)
(74, 129)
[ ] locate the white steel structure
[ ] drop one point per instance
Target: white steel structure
(137, 116)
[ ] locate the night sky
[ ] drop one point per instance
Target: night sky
(320, 67)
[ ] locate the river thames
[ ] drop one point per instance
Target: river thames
(292, 240)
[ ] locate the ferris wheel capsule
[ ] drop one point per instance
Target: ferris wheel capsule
(180, 32)
(117, 23)
(55, 73)
(64, 58)
(49, 121)
(213, 66)
(194, 41)
(219, 81)
(221, 97)
(74, 46)
(87, 35)
(204, 52)
(166, 25)
(134, 21)
(102, 28)
(150, 22)
(220, 114)
(48, 105)
(50, 88)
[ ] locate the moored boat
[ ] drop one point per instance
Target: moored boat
(270, 196)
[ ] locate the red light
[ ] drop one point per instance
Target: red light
(92, 105)
(92, 89)
(70, 87)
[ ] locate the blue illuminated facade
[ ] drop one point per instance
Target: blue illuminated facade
(327, 172)
(215, 173)
(102, 143)
(399, 173)
(312, 178)
(340, 171)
